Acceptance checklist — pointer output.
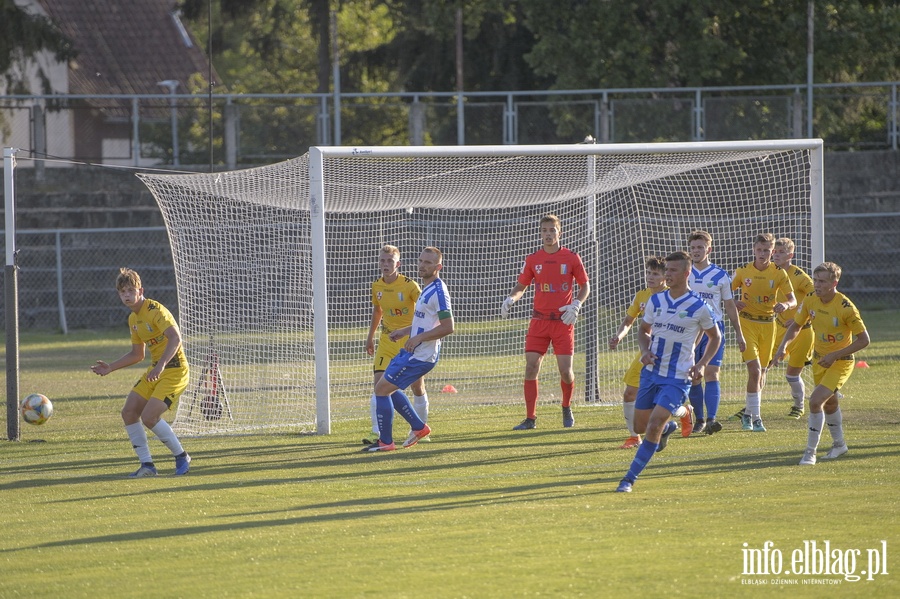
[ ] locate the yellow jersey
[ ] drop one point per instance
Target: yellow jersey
(636, 309)
(759, 290)
(397, 301)
(803, 286)
(834, 323)
(148, 326)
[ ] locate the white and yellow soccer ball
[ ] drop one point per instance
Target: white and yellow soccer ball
(36, 409)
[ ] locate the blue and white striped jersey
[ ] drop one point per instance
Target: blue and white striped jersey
(433, 303)
(714, 285)
(676, 324)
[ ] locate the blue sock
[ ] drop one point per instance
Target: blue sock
(385, 414)
(670, 427)
(405, 409)
(712, 396)
(644, 452)
(696, 397)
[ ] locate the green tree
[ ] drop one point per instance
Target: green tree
(22, 36)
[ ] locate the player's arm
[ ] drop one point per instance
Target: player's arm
(860, 341)
(789, 302)
(377, 313)
(712, 346)
(133, 357)
(512, 298)
(793, 329)
(173, 342)
(732, 310)
(739, 303)
(623, 330)
(643, 338)
(445, 327)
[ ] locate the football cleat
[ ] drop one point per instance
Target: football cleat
(739, 415)
(525, 425)
(836, 451)
(809, 458)
(624, 486)
(713, 426)
(758, 426)
(567, 417)
(631, 442)
(416, 436)
(146, 469)
(182, 463)
(699, 426)
(379, 446)
(746, 425)
(795, 412)
(687, 421)
(664, 438)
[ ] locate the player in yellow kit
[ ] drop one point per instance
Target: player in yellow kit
(153, 326)
(799, 352)
(759, 283)
(394, 298)
(656, 282)
(839, 332)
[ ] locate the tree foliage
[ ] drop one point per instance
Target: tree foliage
(22, 37)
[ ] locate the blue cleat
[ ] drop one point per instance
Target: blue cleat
(146, 469)
(624, 486)
(568, 418)
(525, 425)
(664, 439)
(182, 463)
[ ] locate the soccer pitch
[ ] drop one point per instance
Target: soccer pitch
(480, 511)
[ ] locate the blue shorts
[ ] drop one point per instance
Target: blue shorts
(656, 390)
(701, 347)
(404, 370)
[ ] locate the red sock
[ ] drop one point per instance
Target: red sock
(567, 389)
(531, 396)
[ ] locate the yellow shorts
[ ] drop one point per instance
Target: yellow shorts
(799, 352)
(386, 351)
(760, 339)
(167, 388)
(632, 376)
(835, 376)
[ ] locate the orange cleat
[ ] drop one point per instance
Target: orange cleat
(687, 421)
(631, 442)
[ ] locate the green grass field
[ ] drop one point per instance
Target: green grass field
(481, 511)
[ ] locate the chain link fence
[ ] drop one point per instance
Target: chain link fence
(67, 276)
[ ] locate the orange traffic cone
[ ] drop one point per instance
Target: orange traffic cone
(862, 364)
(448, 389)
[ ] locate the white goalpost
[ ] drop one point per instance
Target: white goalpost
(274, 265)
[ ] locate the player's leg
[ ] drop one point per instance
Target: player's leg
(373, 414)
(420, 398)
(835, 378)
(564, 348)
(799, 354)
(166, 392)
(131, 416)
(537, 341)
(384, 413)
(632, 380)
(816, 422)
(695, 395)
(712, 390)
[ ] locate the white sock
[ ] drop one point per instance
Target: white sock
(164, 433)
(138, 437)
(835, 424)
(628, 408)
(374, 413)
(420, 405)
(680, 412)
(816, 421)
(753, 405)
(798, 389)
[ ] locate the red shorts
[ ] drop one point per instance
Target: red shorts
(541, 333)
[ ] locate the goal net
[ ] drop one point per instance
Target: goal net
(274, 265)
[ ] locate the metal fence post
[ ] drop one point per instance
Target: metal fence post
(231, 134)
(39, 132)
(59, 286)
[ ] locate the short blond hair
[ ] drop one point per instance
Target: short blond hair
(552, 218)
(831, 268)
(764, 238)
(785, 243)
(128, 278)
(391, 249)
(699, 234)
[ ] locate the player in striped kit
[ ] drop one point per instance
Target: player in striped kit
(714, 285)
(432, 321)
(672, 322)
(555, 271)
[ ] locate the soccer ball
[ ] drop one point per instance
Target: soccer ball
(36, 409)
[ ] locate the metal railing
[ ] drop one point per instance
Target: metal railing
(67, 276)
(248, 129)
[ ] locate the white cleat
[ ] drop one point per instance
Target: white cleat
(809, 458)
(836, 451)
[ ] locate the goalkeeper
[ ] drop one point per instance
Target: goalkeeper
(554, 270)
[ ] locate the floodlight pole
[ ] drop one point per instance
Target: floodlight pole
(10, 277)
(172, 85)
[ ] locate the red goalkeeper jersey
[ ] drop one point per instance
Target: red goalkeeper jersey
(554, 276)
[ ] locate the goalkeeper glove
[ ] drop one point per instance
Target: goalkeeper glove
(507, 304)
(570, 312)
